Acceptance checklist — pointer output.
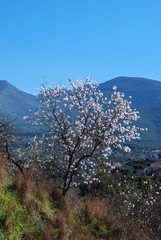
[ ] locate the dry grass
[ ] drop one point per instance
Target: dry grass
(55, 217)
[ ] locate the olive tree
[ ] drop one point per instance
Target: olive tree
(81, 129)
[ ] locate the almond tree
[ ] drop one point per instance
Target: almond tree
(81, 129)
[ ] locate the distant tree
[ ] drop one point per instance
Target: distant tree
(81, 129)
(5, 134)
(7, 138)
(4, 127)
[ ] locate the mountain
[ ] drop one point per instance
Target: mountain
(146, 98)
(15, 104)
(144, 91)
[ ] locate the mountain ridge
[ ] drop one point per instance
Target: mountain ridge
(14, 102)
(139, 87)
(146, 97)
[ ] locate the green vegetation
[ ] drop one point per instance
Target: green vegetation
(60, 185)
(32, 209)
(14, 221)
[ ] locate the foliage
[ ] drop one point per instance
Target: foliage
(6, 127)
(25, 211)
(29, 210)
(14, 220)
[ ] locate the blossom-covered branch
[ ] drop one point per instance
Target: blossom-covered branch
(82, 127)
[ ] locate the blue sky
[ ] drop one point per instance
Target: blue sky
(60, 39)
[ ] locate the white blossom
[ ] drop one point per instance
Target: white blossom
(82, 128)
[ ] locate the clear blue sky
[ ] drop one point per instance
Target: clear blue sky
(61, 39)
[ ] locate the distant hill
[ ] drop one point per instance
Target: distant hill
(15, 104)
(146, 98)
(144, 91)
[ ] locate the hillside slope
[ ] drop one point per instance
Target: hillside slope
(146, 98)
(15, 103)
